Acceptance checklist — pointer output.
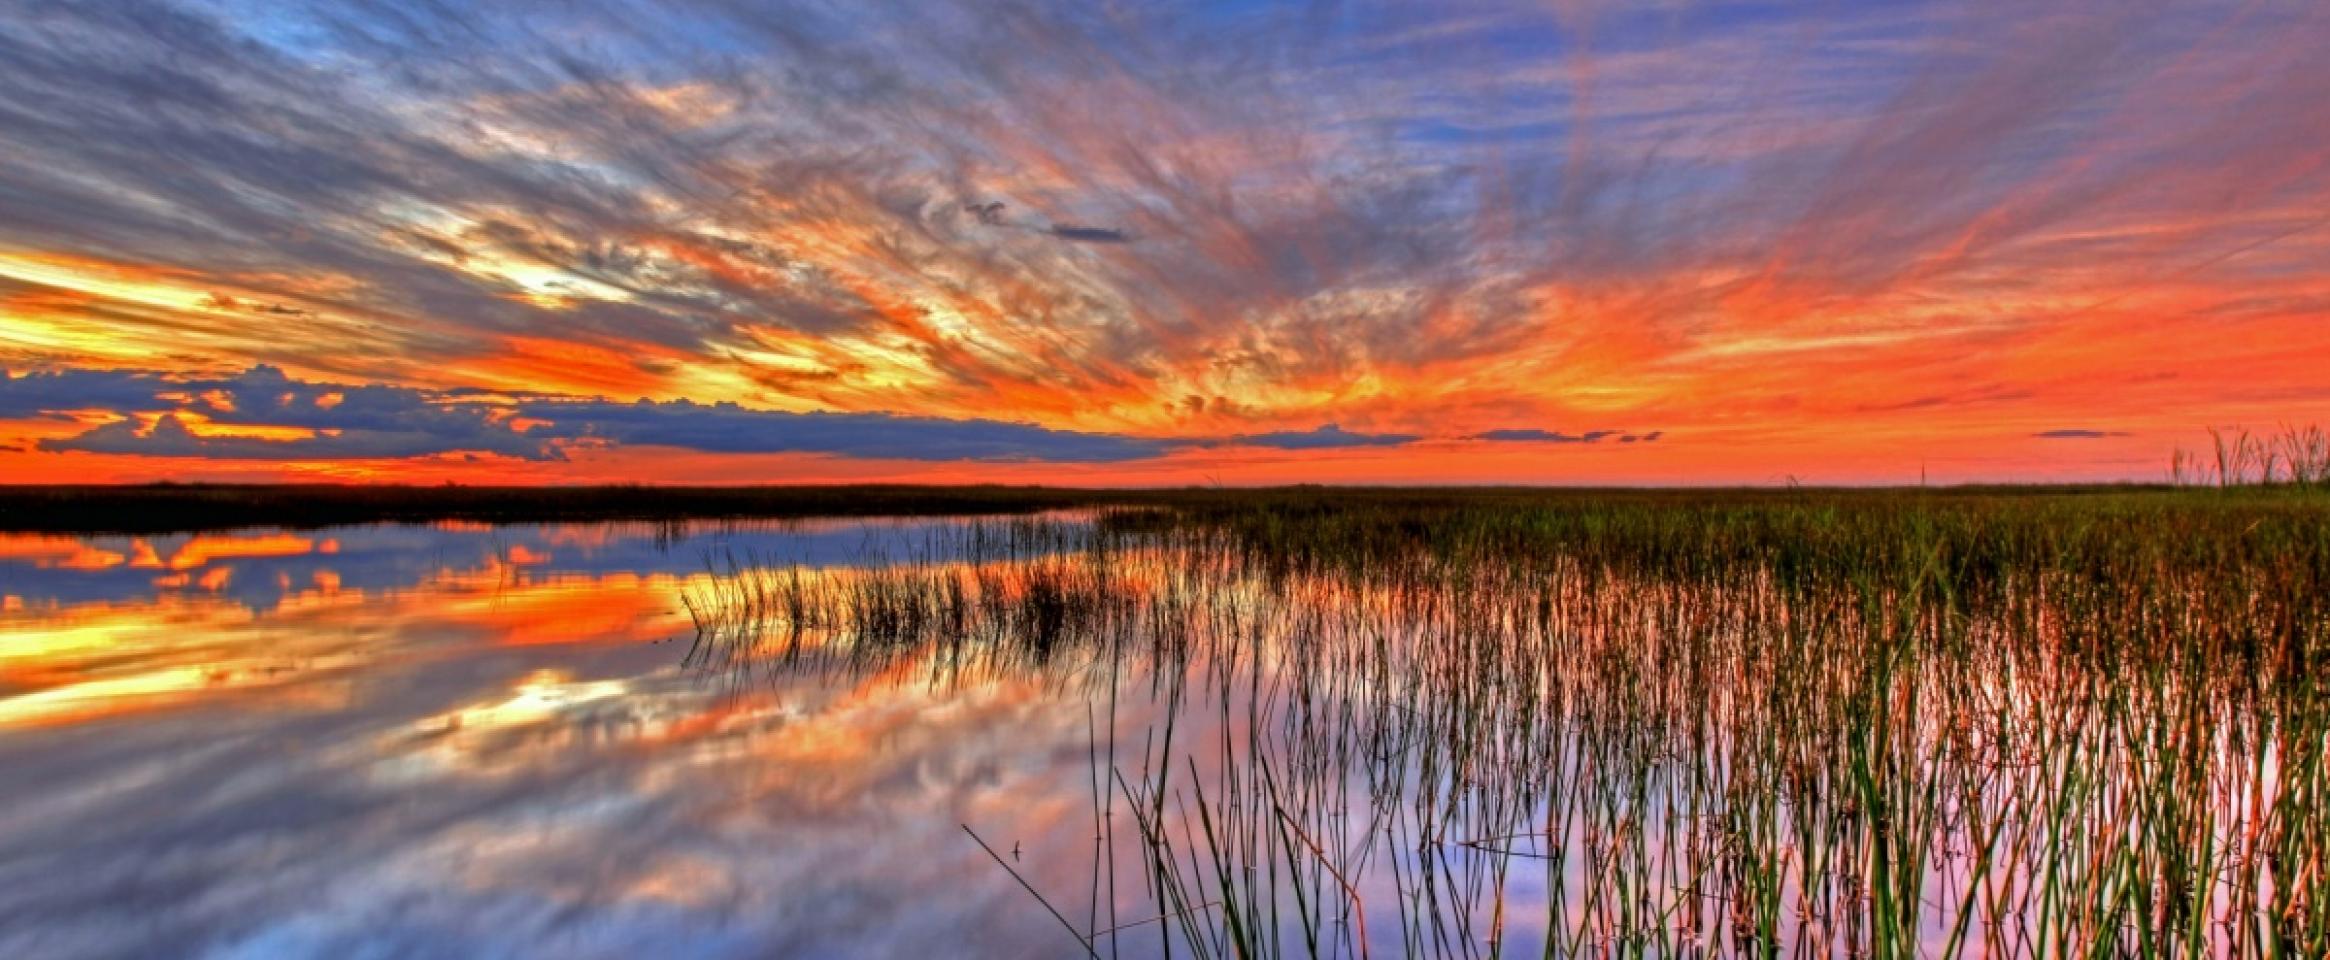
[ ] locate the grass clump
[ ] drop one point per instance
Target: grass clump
(1825, 723)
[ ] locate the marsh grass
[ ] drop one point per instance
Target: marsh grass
(1808, 724)
(2235, 457)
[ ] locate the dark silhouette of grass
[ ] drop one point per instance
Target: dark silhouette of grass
(172, 507)
(157, 508)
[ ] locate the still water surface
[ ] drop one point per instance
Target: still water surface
(468, 741)
(875, 738)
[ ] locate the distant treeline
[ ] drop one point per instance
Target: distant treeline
(154, 508)
(168, 507)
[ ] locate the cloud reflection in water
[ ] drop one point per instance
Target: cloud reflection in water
(449, 753)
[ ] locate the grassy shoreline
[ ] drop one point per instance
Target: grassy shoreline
(1982, 723)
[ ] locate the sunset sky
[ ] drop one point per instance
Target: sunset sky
(1104, 243)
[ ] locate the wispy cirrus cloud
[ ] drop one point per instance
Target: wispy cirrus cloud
(1773, 225)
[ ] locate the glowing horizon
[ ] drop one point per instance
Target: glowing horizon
(716, 242)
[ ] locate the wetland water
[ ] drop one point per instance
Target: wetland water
(859, 738)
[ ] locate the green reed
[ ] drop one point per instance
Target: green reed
(1897, 724)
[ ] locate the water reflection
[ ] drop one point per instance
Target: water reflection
(449, 741)
(262, 569)
(757, 741)
(1530, 754)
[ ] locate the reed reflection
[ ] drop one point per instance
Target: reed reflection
(1442, 740)
(1259, 728)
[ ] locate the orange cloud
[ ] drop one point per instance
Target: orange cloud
(1837, 243)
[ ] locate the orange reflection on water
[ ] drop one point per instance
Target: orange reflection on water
(95, 661)
(210, 548)
(616, 608)
(72, 553)
(462, 721)
(65, 553)
(76, 663)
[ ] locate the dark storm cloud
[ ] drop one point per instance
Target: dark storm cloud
(350, 421)
(376, 421)
(1328, 437)
(52, 394)
(1066, 231)
(1544, 436)
(169, 437)
(728, 428)
(1532, 435)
